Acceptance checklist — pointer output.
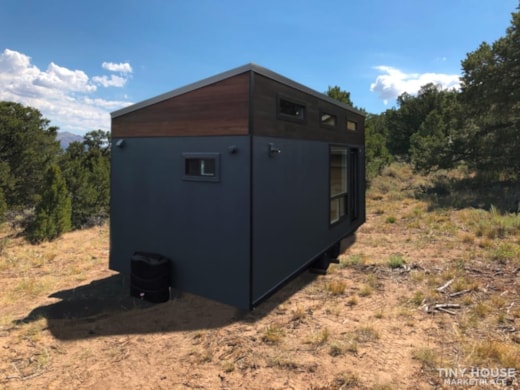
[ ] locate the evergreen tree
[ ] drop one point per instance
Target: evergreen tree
(377, 155)
(28, 147)
(491, 98)
(53, 212)
(439, 142)
(86, 168)
(340, 95)
(404, 122)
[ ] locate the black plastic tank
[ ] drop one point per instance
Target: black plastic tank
(150, 277)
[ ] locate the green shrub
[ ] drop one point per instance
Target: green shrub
(53, 212)
(391, 219)
(396, 261)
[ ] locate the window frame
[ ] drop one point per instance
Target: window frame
(354, 178)
(326, 125)
(349, 121)
(202, 176)
(289, 117)
(341, 197)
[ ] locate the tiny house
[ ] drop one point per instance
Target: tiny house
(242, 180)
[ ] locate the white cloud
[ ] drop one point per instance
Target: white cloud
(394, 82)
(12, 61)
(112, 81)
(108, 104)
(122, 67)
(64, 96)
(57, 77)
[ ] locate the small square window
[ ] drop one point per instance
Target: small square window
(201, 166)
(288, 109)
(328, 120)
(351, 125)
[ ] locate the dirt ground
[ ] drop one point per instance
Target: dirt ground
(68, 322)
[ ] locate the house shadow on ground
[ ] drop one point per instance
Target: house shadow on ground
(104, 307)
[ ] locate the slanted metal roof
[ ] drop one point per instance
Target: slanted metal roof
(225, 75)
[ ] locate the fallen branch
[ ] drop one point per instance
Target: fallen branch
(507, 329)
(445, 286)
(442, 307)
(475, 270)
(27, 377)
(446, 306)
(446, 311)
(458, 293)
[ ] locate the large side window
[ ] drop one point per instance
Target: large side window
(354, 184)
(338, 183)
(201, 166)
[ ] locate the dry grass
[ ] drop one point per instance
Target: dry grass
(351, 261)
(298, 314)
(336, 287)
(427, 357)
(273, 333)
(366, 334)
(366, 290)
(318, 338)
(352, 300)
(370, 313)
(493, 352)
(337, 348)
(418, 298)
(479, 249)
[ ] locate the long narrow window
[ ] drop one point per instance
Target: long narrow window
(338, 183)
(290, 110)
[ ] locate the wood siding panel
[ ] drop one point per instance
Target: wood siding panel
(221, 108)
(267, 123)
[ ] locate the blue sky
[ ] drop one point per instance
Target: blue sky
(76, 61)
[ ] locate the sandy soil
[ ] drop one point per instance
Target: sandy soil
(86, 332)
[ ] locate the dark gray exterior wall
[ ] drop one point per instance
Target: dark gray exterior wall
(290, 210)
(215, 231)
(203, 227)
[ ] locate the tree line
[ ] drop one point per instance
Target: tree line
(477, 126)
(43, 188)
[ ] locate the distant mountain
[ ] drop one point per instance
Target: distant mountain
(66, 138)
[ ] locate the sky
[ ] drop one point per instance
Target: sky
(77, 61)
